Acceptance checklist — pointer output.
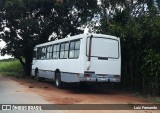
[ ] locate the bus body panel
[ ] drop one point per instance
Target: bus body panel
(105, 56)
(105, 67)
(110, 66)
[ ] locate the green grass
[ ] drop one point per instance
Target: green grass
(10, 67)
(154, 99)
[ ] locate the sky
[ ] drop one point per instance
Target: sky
(5, 57)
(2, 44)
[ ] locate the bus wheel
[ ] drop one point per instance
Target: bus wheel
(37, 78)
(58, 81)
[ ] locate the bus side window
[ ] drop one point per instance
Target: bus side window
(39, 50)
(34, 54)
(64, 50)
(49, 52)
(43, 53)
(55, 51)
(74, 49)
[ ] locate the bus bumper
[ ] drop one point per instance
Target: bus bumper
(100, 78)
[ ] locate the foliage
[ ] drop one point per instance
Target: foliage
(140, 39)
(31, 22)
(151, 75)
(10, 67)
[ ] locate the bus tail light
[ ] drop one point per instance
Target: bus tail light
(87, 75)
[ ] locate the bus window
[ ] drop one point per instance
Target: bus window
(34, 54)
(64, 50)
(74, 49)
(39, 50)
(49, 52)
(55, 51)
(103, 47)
(43, 53)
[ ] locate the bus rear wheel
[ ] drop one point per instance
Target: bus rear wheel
(58, 82)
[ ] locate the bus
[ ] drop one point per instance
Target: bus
(78, 59)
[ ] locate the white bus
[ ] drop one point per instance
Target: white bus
(80, 58)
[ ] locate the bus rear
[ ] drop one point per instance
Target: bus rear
(102, 59)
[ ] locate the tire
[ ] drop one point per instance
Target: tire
(58, 82)
(37, 78)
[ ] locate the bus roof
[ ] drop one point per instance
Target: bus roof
(76, 37)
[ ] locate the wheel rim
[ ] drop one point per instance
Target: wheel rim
(37, 78)
(57, 81)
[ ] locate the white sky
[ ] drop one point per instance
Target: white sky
(5, 57)
(2, 44)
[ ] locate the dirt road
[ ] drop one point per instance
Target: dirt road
(76, 95)
(9, 94)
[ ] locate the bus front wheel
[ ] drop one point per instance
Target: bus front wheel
(37, 78)
(58, 81)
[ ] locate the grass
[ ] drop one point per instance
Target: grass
(154, 99)
(10, 67)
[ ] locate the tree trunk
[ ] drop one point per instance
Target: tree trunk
(27, 65)
(28, 62)
(22, 63)
(105, 5)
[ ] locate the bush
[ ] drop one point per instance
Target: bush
(10, 67)
(151, 72)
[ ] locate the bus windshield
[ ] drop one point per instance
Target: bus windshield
(103, 47)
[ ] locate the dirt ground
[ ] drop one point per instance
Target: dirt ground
(73, 94)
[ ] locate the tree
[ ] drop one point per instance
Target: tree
(32, 22)
(137, 24)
